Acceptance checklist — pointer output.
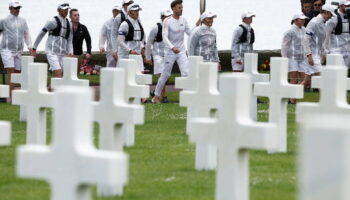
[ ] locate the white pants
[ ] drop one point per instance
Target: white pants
(158, 64)
(296, 66)
(55, 61)
(169, 60)
(111, 62)
(11, 59)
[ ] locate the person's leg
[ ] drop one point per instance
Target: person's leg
(182, 61)
(110, 60)
(8, 60)
(55, 62)
(168, 66)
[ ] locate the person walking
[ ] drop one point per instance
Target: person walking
(60, 40)
(105, 38)
(174, 29)
(15, 33)
(242, 42)
(155, 49)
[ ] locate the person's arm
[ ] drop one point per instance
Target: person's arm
(123, 31)
(49, 26)
(215, 50)
(115, 34)
(1, 27)
(187, 28)
(194, 38)
(330, 25)
(70, 41)
(165, 34)
(87, 40)
(307, 40)
(235, 43)
(102, 39)
(285, 44)
(150, 41)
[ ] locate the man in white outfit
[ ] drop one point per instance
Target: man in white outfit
(155, 48)
(174, 29)
(60, 40)
(14, 31)
(105, 37)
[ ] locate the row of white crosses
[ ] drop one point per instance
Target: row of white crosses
(5, 127)
(227, 118)
(324, 135)
(113, 113)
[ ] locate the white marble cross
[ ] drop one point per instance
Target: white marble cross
(334, 60)
(132, 91)
(141, 79)
(112, 112)
(22, 79)
(203, 102)
(70, 75)
(36, 100)
(251, 68)
(234, 132)
(278, 90)
(189, 83)
(324, 171)
(72, 163)
(5, 127)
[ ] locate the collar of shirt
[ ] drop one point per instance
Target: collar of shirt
(205, 26)
(11, 16)
(320, 18)
(246, 25)
(133, 21)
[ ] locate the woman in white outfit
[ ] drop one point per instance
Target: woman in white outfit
(293, 49)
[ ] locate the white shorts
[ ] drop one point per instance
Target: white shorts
(11, 59)
(236, 66)
(296, 66)
(55, 61)
(312, 69)
(158, 64)
(110, 60)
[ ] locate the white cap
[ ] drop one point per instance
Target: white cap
(15, 4)
(166, 13)
(299, 16)
(117, 8)
(344, 2)
(329, 8)
(247, 14)
(63, 6)
(127, 1)
(134, 6)
(207, 15)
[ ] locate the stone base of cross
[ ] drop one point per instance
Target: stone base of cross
(70, 75)
(5, 127)
(324, 139)
(72, 164)
(22, 79)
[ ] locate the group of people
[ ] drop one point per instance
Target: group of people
(327, 31)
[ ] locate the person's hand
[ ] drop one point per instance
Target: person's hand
(219, 67)
(32, 52)
(310, 60)
(87, 56)
(175, 50)
(133, 52)
(102, 51)
(148, 62)
(115, 56)
(70, 55)
(239, 62)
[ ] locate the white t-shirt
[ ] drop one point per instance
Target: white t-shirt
(174, 34)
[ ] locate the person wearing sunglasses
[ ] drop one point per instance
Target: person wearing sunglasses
(15, 33)
(60, 40)
(317, 7)
(339, 28)
(314, 43)
(308, 11)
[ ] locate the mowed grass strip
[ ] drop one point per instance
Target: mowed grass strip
(162, 162)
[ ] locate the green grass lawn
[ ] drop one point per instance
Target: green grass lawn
(162, 162)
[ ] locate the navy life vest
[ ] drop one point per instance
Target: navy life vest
(130, 35)
(57, 30)
(159, 37)
(339, 28)
(244, 36)
(122, 17)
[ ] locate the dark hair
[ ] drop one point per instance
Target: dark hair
(175, 2)
(72, 10)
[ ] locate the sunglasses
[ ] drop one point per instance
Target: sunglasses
(16, 8)
(65, 5)
(317, 5)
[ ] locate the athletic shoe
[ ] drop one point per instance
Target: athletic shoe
(165, 100)
(156, 100)
(151, 93)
